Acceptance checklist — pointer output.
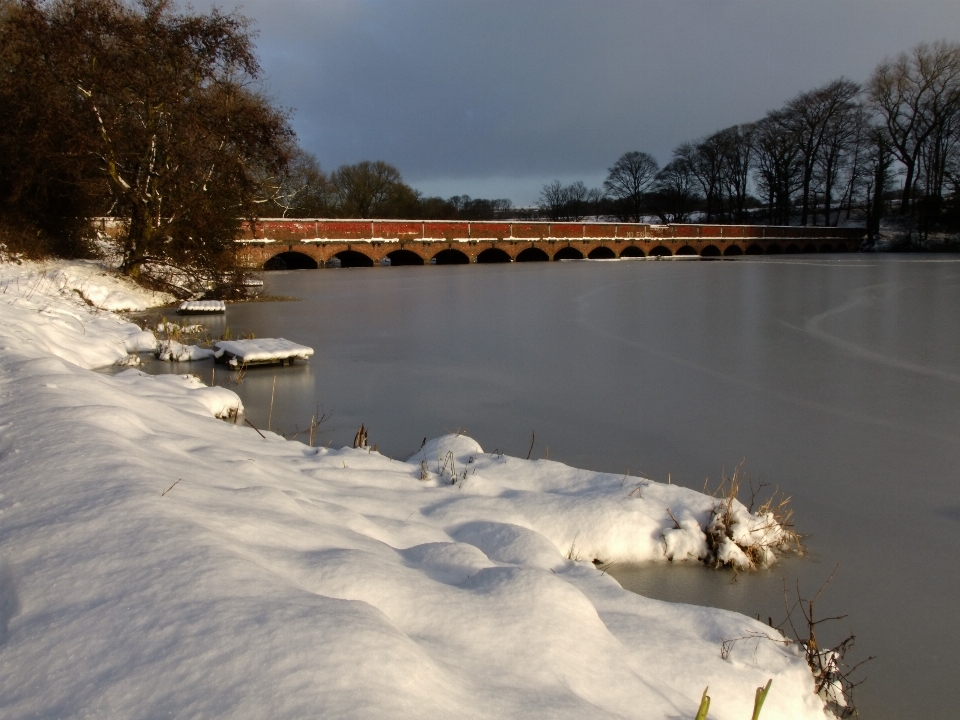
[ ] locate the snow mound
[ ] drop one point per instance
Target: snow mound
(103, 290)
(173, 351)
(142, 341)
(463, 448)
(588, 515)
(185, 391)
(43, 306)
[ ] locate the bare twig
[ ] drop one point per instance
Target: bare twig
(316, 422)
(533, 437)
(675, 523)
(833, 679)
(170, 488)
(272, 391)
(255, 428)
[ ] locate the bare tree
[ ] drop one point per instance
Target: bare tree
(778, 167)
(703, 161)
(629, 179)
(568, 202)
(951, 171)
(838, 154)
(809, 115)
(855, 165)
(581, 201)
(879, 160)
(674, 194)
(915, 96)
(303, 190)
(553, 200)
(362, 189)
(736, 151)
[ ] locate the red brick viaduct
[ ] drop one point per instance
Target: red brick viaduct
(298, 243)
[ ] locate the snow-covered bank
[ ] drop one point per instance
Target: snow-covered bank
(62, 309)
(276, 580)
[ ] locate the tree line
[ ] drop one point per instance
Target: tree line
(157, 117)
(369, 189)
(827, 154)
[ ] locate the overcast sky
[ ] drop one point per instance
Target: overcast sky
(494, 98)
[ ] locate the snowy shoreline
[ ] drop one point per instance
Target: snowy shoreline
(154, 557)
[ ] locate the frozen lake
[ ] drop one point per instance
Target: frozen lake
(836, 379)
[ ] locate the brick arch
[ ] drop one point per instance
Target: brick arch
(493, 254)
(405, 256)
(450, 256)
(568, 253)
(532, 254)
(354, 258)
(290, 260)
(601, 252)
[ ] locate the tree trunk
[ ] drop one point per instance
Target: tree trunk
(905, 196)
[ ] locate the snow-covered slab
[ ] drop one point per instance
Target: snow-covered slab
(202, 307)
(261, 351)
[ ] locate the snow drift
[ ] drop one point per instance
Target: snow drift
(156, 561)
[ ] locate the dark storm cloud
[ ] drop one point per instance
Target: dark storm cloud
(476, 95)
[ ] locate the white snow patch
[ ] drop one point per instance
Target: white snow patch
(178, 352)
(186, 391)
(102, 289)
(171, 327)
(45, 306)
